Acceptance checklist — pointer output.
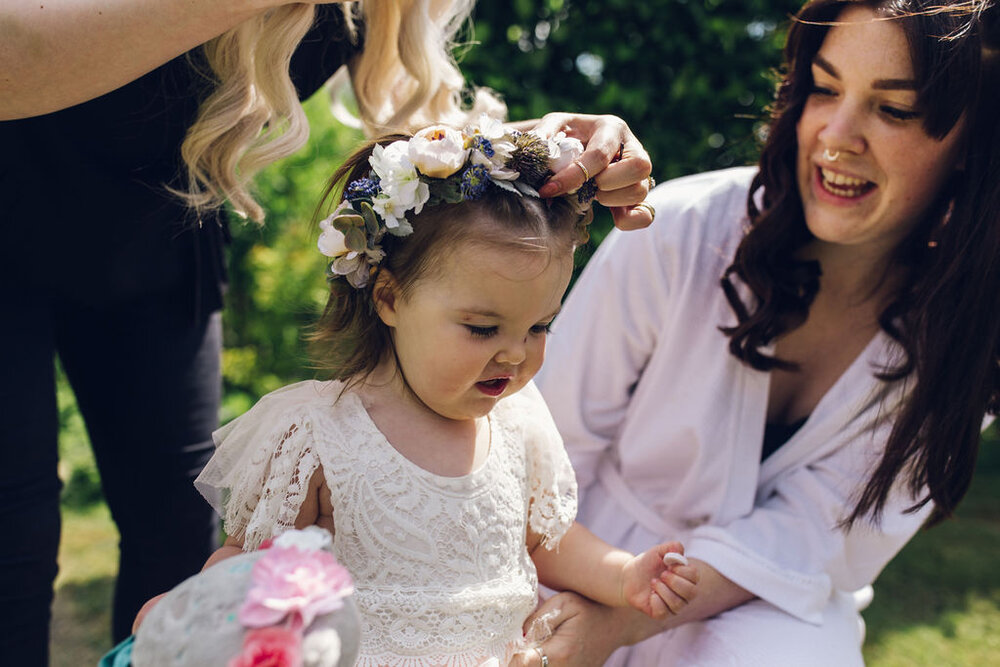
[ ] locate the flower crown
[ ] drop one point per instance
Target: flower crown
(439, 164)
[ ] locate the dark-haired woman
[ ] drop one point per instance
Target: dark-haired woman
(797, 421)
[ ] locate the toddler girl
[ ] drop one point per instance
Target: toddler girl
(431, 458)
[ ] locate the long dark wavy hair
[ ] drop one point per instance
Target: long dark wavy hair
(945, 314)
(350, 339)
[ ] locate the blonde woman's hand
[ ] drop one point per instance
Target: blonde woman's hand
(612, 155)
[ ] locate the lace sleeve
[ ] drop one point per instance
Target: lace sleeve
(551, 480)
(259, 475)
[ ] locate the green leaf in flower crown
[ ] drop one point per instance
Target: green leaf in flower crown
(348, 220)
(404, 228)
(447, 189)
(371, 222)
(355, 239)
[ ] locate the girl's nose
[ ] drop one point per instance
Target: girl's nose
(513, 352)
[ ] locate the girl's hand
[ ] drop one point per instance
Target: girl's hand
(659, 582)
(612, 155)
(144, 610)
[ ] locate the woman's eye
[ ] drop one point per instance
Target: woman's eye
(820, 90)
(542, 329)
(899, 114)
(481, 332)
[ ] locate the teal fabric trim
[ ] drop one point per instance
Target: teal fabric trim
(120, 655)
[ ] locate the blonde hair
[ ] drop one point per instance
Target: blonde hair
(253, 117)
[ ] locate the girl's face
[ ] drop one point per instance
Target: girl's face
(863, 106)
(473, 330)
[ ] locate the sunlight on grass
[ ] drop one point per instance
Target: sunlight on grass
(81, 613)
(970, 636)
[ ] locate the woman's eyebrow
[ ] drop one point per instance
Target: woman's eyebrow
(878, 84)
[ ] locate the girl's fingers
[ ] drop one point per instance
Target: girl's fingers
(672, 600)
(657, 607)
(682, 586)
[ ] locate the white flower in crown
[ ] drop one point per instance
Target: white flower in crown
(564, 150)
(402, 189)
(332, 241)
(494, 153)
(438, 151)
(393, 213)
(490, 127)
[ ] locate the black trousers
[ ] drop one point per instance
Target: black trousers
(146, 376)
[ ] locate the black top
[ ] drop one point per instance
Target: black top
(82, 197)
(776, 435)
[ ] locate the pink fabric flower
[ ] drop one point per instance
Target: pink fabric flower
(270, 647)
(288, 581)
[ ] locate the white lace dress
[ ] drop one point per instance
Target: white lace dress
(441, 571)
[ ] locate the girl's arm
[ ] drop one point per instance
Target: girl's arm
(589, 565)
(316, 509)
(586, 633)
(59, 53)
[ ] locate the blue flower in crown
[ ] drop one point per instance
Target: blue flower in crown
(362, 188)
(475, 180)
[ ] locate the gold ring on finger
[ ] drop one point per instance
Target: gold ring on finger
(648, 207)
(586, 173)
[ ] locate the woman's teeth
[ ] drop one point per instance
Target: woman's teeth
(843, 186)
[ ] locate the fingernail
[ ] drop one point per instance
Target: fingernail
(550, 189)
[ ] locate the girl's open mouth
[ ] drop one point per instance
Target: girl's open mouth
(493, 387)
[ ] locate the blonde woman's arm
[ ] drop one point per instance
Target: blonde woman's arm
(57, 53)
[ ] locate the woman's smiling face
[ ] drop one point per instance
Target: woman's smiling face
(863, 112)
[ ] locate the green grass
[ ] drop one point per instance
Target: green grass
(938, 602)
(81, 613)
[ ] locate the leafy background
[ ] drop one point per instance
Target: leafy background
(692, 78)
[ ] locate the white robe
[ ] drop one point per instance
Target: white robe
(665, 427)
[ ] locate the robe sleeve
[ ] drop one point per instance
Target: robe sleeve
(790, 551)
(259, 475)
(602, 340)
(551, 482)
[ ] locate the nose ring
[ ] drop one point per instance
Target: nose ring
(832, 157)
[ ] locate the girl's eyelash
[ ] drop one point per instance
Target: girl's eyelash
(486, 332)
(542, 328)
(481, 332)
